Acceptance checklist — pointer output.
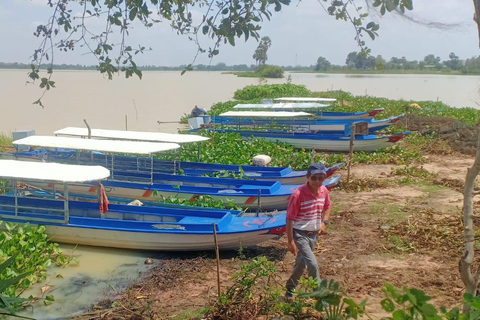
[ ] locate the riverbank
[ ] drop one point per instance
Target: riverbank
(392, 223)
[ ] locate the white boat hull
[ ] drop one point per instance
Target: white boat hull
(154, 241)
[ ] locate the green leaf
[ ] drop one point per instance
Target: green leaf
(387, 305)
(408, 4)
(133, 14)
(399, 315)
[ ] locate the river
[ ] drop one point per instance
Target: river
(166, 95)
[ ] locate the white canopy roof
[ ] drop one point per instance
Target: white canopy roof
(265, 114)
(51, 171)
(303, 99)
(281, 106)
(131, 135)
(110, 146)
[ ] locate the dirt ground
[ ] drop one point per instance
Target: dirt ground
(407, 234)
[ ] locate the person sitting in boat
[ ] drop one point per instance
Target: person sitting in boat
(307, 217)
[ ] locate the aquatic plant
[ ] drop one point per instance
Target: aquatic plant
(271, 91)
(33, 253)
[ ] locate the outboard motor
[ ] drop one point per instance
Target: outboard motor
(198, 112)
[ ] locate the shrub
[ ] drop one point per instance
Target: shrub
(267, 71)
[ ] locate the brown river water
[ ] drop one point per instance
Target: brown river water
(166, 95)
(139, 105)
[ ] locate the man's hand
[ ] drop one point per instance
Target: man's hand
(292, 247)
(322, 229)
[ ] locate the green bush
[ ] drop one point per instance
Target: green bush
(267, 71)
(271, 91)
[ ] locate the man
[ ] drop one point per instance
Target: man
(307, 217)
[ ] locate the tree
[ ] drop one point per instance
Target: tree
(470, 279)
(260, 54)
(222, 22)
(322, 64)
(454, 63)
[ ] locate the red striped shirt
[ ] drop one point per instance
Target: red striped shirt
(306, 209)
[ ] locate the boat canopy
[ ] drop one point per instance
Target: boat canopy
(132, 135)
(265, 114)
(109, 146)
(14, 169)
(304, 99)
(281, 106)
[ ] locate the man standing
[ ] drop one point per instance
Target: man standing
(307, 217)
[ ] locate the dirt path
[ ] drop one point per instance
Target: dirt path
(407, 234)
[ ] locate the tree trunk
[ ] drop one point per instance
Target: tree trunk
(470, 280)
(476, 16)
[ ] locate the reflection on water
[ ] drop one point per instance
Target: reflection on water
(101, 274)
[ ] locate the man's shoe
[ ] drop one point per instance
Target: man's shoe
(289, 296)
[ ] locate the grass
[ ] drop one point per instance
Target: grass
(192, 314)
(6, 141)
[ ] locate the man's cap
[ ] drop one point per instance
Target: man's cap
(316, 168)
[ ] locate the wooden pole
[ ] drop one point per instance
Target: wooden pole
(126, 123)
(350, 155)
(89, 129)
(218, 257)
(89, 137)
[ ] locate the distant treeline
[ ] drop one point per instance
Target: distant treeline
(356, 61)
(200, 67)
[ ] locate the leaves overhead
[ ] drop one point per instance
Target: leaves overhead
(75, 24)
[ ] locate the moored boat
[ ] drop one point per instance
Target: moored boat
(123, 226)
(285, 175)
(252, 194)
(324, 142)
(297, 123)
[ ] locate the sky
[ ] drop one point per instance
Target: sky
(300, 33)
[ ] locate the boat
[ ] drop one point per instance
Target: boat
(251, 194)
(312, 107)
(321, 141)
(297, 121)
(123, 226)
(141, 166)
(285, 175)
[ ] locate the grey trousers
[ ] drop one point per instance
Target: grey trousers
(305, 258)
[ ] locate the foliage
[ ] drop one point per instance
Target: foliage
(331, 300)
(230, 148)
(322, 64)
(271, 91)
(204, 201)
(8, 304)
(239, 301)
(391, 155)
(228, 174)
(267, 71)
(413, 172)
(409, 304)
(260, 54)
(33, 252)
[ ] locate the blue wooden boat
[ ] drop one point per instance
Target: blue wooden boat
(123, 226)
(251, 194)
(284, 175)
(255, 119)
(142, 167)
(321, 141)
